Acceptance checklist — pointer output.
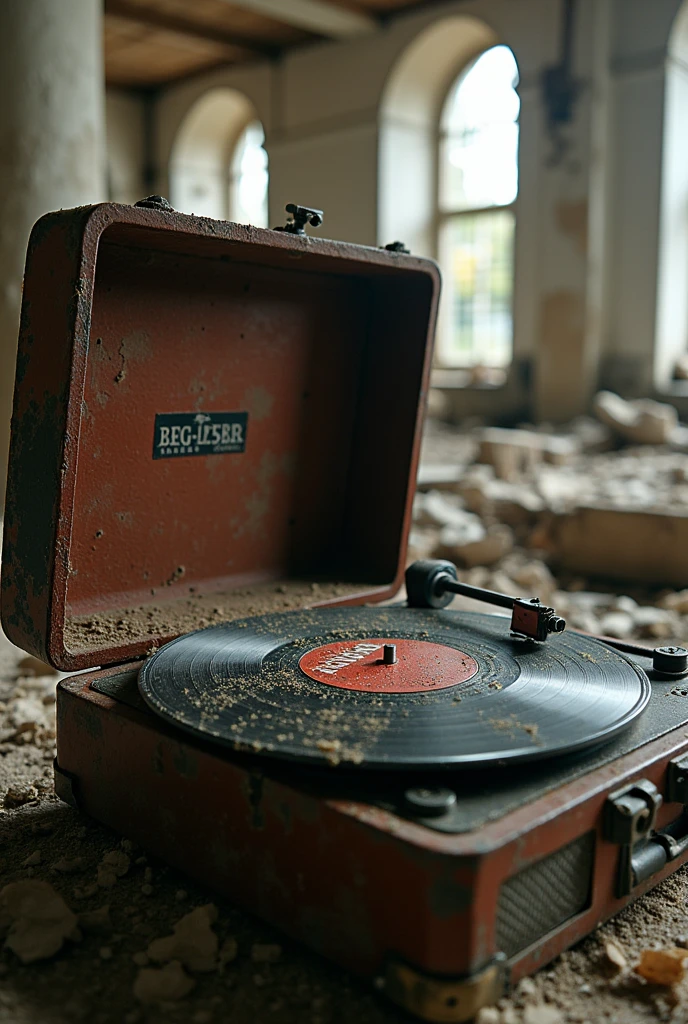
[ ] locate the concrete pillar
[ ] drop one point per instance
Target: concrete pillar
(51, 141)
(572, 233)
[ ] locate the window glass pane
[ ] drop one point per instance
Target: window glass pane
(249, 188)
(477, 261)
(479, 157)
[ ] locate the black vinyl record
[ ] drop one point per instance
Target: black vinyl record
(316, 686)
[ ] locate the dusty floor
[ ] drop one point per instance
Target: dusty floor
(93, 979)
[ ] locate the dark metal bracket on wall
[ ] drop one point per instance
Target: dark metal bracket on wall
(560, 89)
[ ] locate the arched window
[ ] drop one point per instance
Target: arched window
(248, 191)
(219, 165)
(478, 183)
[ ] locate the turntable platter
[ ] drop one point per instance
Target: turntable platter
(392, 688)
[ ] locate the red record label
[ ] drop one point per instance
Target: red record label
(388, 666)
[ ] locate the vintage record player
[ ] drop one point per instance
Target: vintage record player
(214, 449)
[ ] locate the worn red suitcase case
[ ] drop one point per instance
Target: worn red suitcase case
(212, 421)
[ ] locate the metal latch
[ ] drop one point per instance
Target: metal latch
(629, 817)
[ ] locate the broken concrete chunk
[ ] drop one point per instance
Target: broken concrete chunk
(439, 510)
(512, 453)
(17, 796)
(526, 991)
(533, 579)
(114, 865)
(474, 487)
(496, 542)
(662, 966)
(641, 421)
(656, 623)
(35, 919)
(439, 476)
(193, 942)
(617, 624)
(162, 984)
(30, 713)
(592, 435)
(676, 602)
(542, 1013)
(512, 503)
(559, 451)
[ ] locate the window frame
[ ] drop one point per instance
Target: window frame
(443, 215)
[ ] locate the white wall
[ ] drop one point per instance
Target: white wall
(125, 126)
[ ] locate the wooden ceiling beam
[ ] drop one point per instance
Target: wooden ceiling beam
(316, 16)
(180, 26)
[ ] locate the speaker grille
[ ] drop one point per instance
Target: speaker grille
(544, 895)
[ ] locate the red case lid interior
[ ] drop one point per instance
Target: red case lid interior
(299, 364)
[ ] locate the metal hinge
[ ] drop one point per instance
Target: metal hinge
(66, 786)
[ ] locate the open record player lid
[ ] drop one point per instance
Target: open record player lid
(203, 407)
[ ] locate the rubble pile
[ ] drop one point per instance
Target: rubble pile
(504, 511)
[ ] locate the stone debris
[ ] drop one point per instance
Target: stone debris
(675, 602)
(617, 624)
(193, 943)
(162, 984)
(33, 860)
(114, 865)
(615, 956)
(512, 453)
(526, 992)
(662, 966)
(642, 421)
(601, 512)
(17, 796)
(489, 1015)
(35, 920)
(542, 1013)
(495, 542)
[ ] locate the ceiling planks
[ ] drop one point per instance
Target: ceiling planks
(332, 21)
(151, 43)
